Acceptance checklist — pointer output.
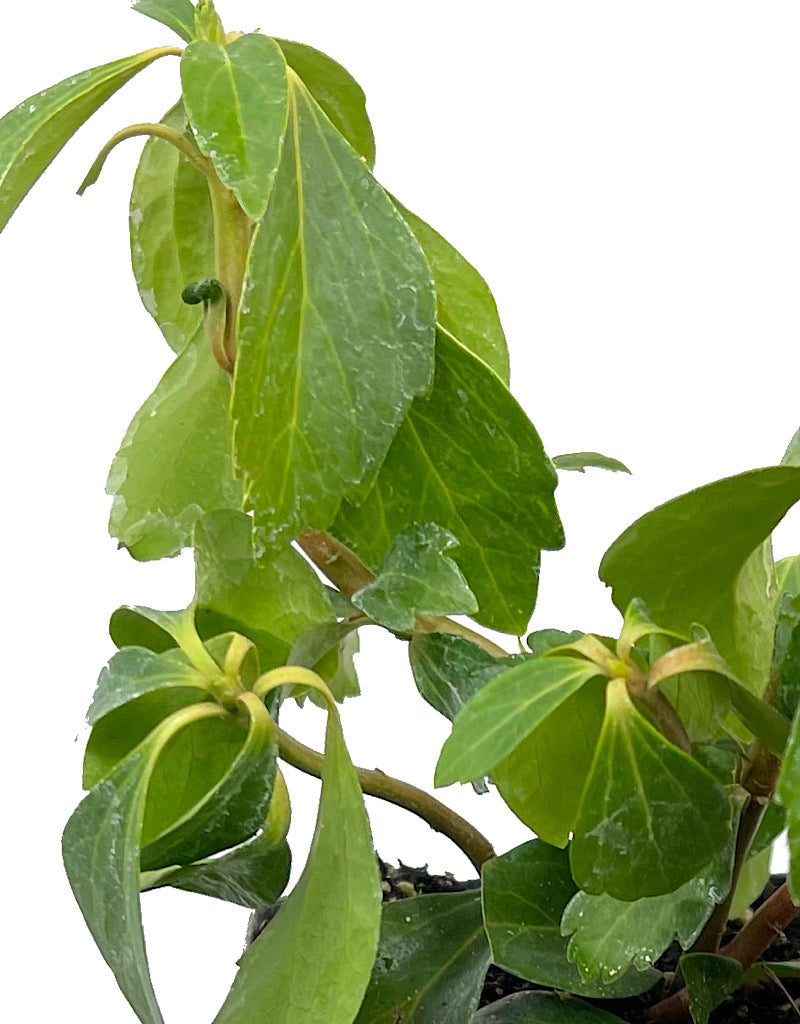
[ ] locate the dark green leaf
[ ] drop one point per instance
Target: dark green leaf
(788, 792)
(175, 460)
(338, 94)
(579, 462)
(709, 980)
(525, 892)
(312, 963)
(465, 307)
(416, 577)
(542, 1008)
(35, 131)
(129, 628)
(448, 670)
(175, 14)
(789, 695)
(431, 963)
(642, 798)
(493, 489)
(335, 331)
(236, 99)
(699, 558)
(101, 856)
(505, 711)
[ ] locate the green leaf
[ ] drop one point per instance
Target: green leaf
(791, 457)
(542, 1008)
(465, 307)
(788, 793)
(543, 640)
(710, 979)
(542, 779)
(312, 963)
(175, 14)
(610, 936)
(493, 489)
(175, 460)
(525, 892)
(504, 712)
(101, 856)
(236, 100)
(579, 462)
(688, 560)
(35, 131)
(752, 882)
(448, 670)
(338, 94)
(431, 962)
(789, 674)
(127, 627)
(642, 798)
(416, 577)
(335, 331)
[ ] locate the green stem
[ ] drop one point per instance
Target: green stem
(233, 233)
(375, 783)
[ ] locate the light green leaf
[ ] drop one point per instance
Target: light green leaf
(788, 792)
(543, 640)
(791, 457)
(101, 856)
(525, 892)
(579, 462)
(416, 577)
(236, 100)
(335, 331)
(542, 1008)
(338, 94)
(448, 670)
(431, 963)
(752, 882)
(175, 460)
(505, 711)
(312, 963)
(687, 558)
(465, 306)
(35, 131)
(642, 798)
(175, 14)
(609, 936)
(468, 458)
(709, 980)
(542, 779)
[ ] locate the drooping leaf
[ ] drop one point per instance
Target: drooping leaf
(35, 131)
(642, 798)
(788, 792)
(236, 100)
(101, 856)
(175, 14)
(505, 711)
(469, 459)
(542, 779)
(338, 94)
(525, 892)
(710, 979)
(688, 560)
(465, 307)
(431, 963)
(542, 1008)
(416, 577)
(579, 462)
(312, 963)
(175, 460)
(448, 670)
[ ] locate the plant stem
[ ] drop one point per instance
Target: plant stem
(666, 718)
(375, 783)
(348, 573)
(233, 232)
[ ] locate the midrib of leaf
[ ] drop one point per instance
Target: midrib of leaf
(639, 784)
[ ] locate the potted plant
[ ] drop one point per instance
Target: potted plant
(338, 399)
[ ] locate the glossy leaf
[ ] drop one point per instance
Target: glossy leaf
(642, 798)
(542, 779)
(236, 100)
(688, 560)
(579, 462)
(416, 577)
(35, 131)
(505, 711)
(431, 962)
(101, 856)
(465, 307)
(525, 892)
(788, 792)
(448, 670)
(312, 963)
(709, 980)
(492, 488)
(338, 94)
(175, 14)
(542, 1008)
(335, 331)
(175, 460)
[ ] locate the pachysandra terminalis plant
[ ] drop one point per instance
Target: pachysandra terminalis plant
(339, 398)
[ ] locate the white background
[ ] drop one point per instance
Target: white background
(625, 175)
